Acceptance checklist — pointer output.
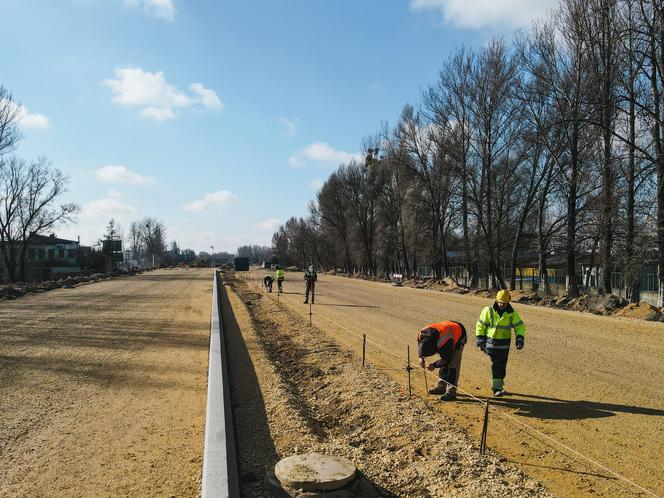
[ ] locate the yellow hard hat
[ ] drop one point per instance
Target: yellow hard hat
(503, 296)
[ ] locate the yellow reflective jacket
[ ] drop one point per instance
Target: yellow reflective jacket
(496, 330)
(279, 274)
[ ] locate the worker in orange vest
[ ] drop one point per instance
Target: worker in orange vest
(447, 338)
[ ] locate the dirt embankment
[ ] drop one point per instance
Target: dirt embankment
(295, 390)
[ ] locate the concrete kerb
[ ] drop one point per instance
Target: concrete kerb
(220, 473)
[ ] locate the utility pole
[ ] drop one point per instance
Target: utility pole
(212, 247)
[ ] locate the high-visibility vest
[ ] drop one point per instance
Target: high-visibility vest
(498, 329)
(280, 274)
(447, 331)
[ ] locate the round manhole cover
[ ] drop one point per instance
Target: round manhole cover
(313, 471)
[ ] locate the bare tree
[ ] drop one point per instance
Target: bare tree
(153, 238)
(28, 193)
(10, 133)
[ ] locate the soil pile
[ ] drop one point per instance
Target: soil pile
(20, 289)
(643, 311)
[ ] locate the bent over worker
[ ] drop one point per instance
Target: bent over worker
(447, 338)
(494, 336)
(267, 282)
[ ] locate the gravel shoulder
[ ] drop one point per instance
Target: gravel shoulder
(103, 387)
(591, 382)
(295, 390)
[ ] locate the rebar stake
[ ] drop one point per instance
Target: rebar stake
(408, 368)
(485, 426)
(426, 384)
(310, 314)
(364, 347)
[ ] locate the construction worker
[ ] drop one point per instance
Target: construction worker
(494, 335)
(279, 273)
(310, 278)
(447, 338)
(268, 281)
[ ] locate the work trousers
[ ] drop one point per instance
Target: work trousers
(268, 285)
(311, 286)
(498, 366)
(280, 282)
(449, 374)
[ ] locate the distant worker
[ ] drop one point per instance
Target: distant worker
(268, 281)
(310, 278)
(279, 273)
(494, 335)
(447, 338)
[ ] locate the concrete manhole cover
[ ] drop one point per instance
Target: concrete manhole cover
(313, 471)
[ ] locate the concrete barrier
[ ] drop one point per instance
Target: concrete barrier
(220, 475)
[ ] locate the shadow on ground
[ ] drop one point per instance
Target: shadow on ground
(546, 408)
(255, 449)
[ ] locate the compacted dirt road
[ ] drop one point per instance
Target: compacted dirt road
(103, 387)
(591, 383)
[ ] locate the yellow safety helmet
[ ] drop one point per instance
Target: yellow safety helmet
(503, 296)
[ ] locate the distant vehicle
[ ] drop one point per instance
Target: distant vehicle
(267, 265)
(241, 264)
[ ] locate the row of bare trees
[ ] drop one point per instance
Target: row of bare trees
(28, 194)
(547, 148)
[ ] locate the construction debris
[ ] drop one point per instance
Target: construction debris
(20, 289)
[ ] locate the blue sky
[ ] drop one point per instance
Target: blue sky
(221, 118)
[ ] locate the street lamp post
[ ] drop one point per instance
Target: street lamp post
(212, 247)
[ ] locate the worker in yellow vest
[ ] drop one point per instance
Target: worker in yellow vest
(493, 333)
(279, 273)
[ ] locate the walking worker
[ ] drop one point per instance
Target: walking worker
(310, 278)
(447, 338)
(494, 335)
(279, 273)
(268, 281)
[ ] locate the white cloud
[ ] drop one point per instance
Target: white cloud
(207, 97)
(269, 225)
(320, 152)
(290, 127)
(158, 99)
(316, 183)
(27, 119)
(215, 199)
(108, 208)
(120, 174)
(95, 215)
(477, 14)
(161, 9)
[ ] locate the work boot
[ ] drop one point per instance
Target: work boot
(448, 396)
(307, 302)
(439, 389)
(499, 393)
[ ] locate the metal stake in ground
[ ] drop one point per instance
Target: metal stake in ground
(426, 384)
(310, 312)
(408, 369)
(364, 347)
(485, 426)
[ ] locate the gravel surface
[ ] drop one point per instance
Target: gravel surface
(103, 387)
(591, 382)
(296, 391)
